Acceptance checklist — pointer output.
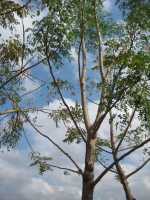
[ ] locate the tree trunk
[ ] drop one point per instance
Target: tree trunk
(88, 176)
(87, 190)
(124, 183)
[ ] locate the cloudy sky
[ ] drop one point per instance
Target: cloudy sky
(20, 181)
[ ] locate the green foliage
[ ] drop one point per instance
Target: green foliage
(54, 33)
(10, 50)
(64, 85)
(41, 162)
(102, 142)
(63, 115)
(8, 9)
(136, 12)
(11, 133)
(72, 135)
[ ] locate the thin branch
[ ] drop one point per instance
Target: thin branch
(37, 78)
(104, 150)
(93, 102)
(32, 91)
(138, 169)
(21, 72)
(126, 148)
(63, 100)
(8, 112)
(28, 142)
(65, 168)
(104, 166)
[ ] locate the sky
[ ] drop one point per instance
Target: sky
(20, 181)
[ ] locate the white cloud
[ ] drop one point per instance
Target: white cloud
(108, 4)
(74, 54)
(30, 85)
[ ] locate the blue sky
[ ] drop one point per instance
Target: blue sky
(19, 181)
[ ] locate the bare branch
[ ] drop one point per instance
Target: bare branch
(103, 165)
(28, 142)
(138, 168)
(65, 168)
(104, 150)
(126, 148)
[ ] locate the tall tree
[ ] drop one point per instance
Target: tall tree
(117, 83)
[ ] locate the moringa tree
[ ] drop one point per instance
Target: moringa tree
(113, 74)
